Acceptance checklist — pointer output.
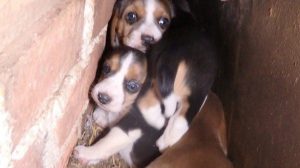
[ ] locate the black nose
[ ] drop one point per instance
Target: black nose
(146, 39)
(103, 98)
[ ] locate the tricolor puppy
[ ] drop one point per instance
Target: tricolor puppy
(182, 68)
(139, 23)
(123, 73)
(204, 145)
(185, 62)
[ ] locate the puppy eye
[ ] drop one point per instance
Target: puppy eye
(132, 86)
(131, 17)
(106, 69)
(163, 22)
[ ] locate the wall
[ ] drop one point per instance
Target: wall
(261, 77)
(48, 56)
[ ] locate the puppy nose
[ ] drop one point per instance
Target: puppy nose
(103, 98)
(147, 39)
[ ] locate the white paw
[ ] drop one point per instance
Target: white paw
(100, 117)
(176, 128)
(80, 153)
(83, 154)
(161, 144)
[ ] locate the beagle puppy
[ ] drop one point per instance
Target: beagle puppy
(123, 73)
(204, 145)
(185, 62)
(181, 70)
(139, 23)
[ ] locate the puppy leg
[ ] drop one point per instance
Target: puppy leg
(112, 143)
(177, 125)
(170, 102)
(175, 129)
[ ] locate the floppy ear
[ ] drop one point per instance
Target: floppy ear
(114, 39)
(116, 21)
(171, 6)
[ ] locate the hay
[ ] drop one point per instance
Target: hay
(90, 131)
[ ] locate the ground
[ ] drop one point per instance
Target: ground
(90, 131)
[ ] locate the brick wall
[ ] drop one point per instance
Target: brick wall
(48, 56)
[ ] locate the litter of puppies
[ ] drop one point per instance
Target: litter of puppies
(148, 98)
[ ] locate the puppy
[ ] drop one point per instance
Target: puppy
(139, 23)
(204, 145)
(123, 73)
(185, 62)
(181, 72)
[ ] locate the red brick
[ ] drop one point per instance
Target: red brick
(76, 103)
(22, 22)
(33, 158)
(79, 97)
(42, 67)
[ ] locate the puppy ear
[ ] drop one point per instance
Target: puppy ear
(116, 19)
(172, 8)
(113, 31)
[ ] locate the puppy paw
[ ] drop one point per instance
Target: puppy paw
(100, 117)
(79, 153)
(161, 144)
(83, 154)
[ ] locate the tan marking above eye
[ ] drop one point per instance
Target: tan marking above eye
(136, 71)
(114, 62)
(168, 7)
(162, 11)
(181, 88)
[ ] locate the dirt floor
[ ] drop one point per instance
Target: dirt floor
(90, 131)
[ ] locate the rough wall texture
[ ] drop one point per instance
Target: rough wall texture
(48, 57)
(263, 87)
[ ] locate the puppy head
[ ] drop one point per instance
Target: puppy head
(124, 72)
(140, 23)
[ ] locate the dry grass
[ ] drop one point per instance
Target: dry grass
(90, 131)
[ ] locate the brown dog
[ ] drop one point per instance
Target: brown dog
(204, 145)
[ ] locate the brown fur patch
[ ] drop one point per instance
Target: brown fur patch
(148, 100)
(114, 62)
(137, 72)
(162, 11)
(181, 88)
(167, 5)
